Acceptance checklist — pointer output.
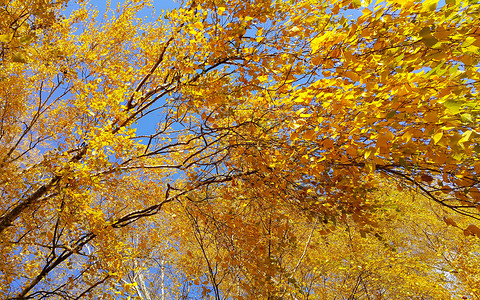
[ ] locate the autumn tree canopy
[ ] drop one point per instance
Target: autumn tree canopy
(240, 149)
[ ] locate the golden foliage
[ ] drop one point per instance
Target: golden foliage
(240, 149)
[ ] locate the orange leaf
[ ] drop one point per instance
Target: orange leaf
(450, 222)
(473, 230)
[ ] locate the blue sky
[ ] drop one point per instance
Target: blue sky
(147, 124)
(101, 5)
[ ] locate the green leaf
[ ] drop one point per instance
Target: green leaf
(25, 39)
(425, 32)
(19, 57)
(466, 118)
(453, 70)
(468, 41)
(453, 107)
(402, 162)
(430, 41)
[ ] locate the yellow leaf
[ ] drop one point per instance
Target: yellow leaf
(465, 137)
(368, 153)
(310, 19)
(199, 25)
(317, 43)
(370, 167)
(437, 137)
(262, 78)
(5, 38)
(295, 29)
(429, 5)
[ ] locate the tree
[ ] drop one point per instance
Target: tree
(20, 23)
(274, 121)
